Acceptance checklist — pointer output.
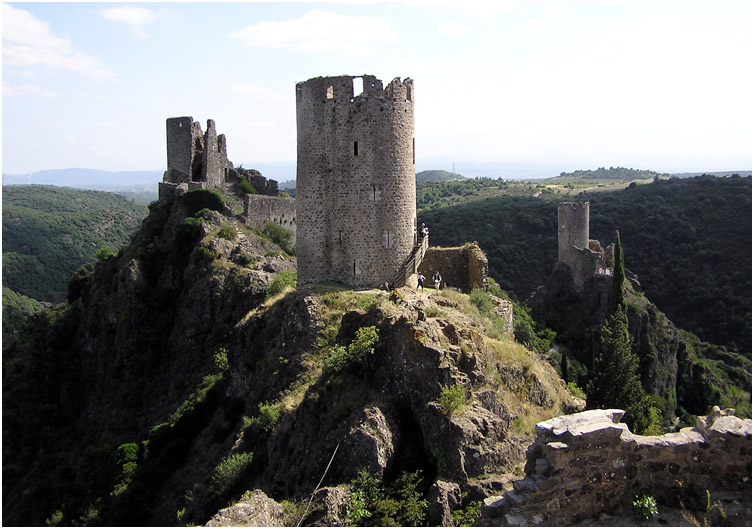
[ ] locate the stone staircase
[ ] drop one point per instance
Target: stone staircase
(411, 264)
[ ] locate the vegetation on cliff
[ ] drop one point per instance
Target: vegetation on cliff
(48, 232)
(614, 375)
(176, 378)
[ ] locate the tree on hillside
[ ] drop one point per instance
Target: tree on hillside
(615, 380)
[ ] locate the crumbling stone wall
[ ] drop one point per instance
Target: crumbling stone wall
(584, 256)
(588, 463)
(463, 267)
(355, 185)
(260, 209)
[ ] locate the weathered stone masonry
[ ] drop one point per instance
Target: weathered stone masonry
(588, 463)
(356, 190)
(259, 209)
(194, 156)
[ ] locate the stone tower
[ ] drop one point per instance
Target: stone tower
(355, 179)
(573, 229)
(584, 256)
(194, 156)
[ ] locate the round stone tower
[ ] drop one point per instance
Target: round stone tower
(355, 179)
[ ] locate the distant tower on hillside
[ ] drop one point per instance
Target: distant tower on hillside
(355, 180)
(585, 257)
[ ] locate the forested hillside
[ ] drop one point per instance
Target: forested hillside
(16, 308)
(48, 232)
(613, 173)
(437, 175)
(689, 241)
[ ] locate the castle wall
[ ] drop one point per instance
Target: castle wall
(588, 463)
(463, 267)
(355, 186)
(259, 209)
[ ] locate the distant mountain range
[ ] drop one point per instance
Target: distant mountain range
(285, 173)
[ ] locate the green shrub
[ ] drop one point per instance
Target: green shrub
(221, 359)
(265, 421)
(199, 199)
(203, 214)
(576, 391)
(482, 300)
(245, 259)
(467, 516)
(452, 398)
(196, 398)
(339, 357)
(205, 253)
(246, 186)
(645, 507)
(228, 231)
(230, 469)
(189, 229)
(280, 236)
(104, 253)
(283, 194)
(285, 278)
(373, 505)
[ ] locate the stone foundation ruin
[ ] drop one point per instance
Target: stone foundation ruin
(586, 464)
(463, 267)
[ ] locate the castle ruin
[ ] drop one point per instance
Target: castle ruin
(356, 184)
(194, 156)
(584, 256)
(199, 160)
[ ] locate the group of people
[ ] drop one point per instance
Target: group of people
(436, 278)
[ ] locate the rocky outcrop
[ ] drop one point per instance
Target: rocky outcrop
(254, 510)
(586, 464)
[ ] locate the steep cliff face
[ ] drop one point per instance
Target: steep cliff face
(183, 372)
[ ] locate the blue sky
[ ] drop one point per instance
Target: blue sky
(656, 85)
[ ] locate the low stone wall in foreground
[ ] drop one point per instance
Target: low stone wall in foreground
(588, 463)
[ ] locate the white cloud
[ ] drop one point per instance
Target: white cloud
(451, 28)
(25, 90)
(29, 42)
(133, 17)
(320, 31)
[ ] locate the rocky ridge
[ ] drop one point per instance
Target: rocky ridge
(181, 374)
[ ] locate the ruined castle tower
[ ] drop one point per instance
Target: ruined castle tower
(355, 181)
(194, 156)
(585, 257)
